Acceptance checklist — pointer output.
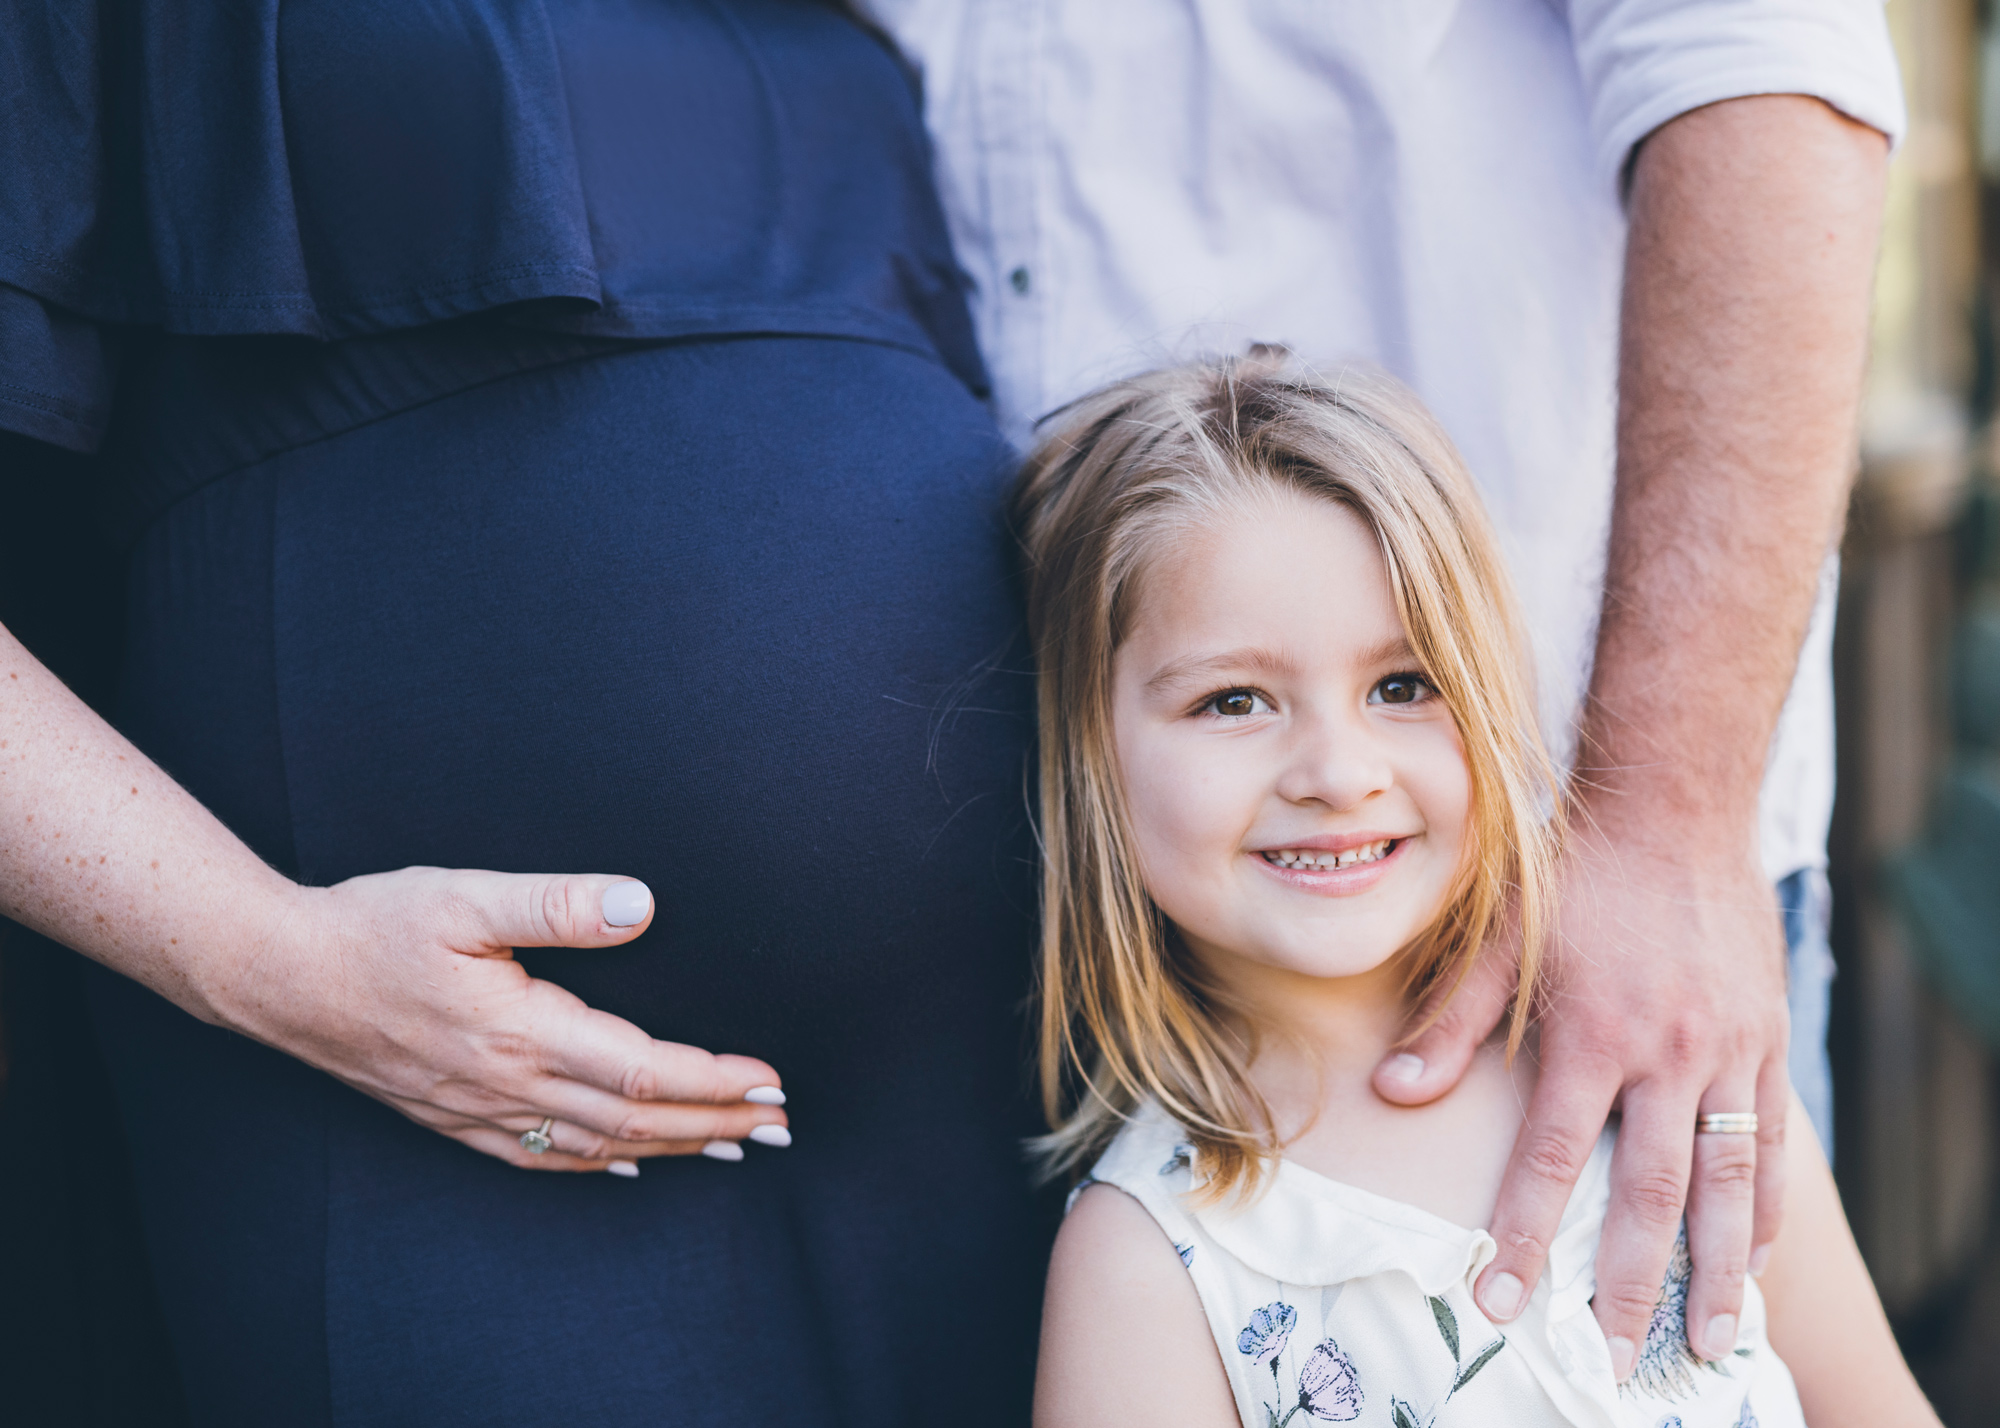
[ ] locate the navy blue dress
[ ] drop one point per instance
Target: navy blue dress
(548, 437)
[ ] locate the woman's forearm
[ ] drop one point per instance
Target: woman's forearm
(103, 852)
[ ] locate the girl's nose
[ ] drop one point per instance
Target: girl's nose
(1338, 764)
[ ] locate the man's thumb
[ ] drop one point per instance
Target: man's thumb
(1455, 1020)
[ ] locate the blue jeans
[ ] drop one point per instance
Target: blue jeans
(1807, 904)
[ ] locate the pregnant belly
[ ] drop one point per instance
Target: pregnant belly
(731, 617)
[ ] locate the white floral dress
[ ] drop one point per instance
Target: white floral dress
(1333, 1305)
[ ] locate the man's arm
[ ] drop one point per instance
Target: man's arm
(1753, 234)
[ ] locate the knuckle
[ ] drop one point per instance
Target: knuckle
(1524, 1246)
(1551, 1157)
(642, 1081)
(1683, 1048)
(1655, 1197)
(1628, 1301)
(1733, 1174)
(633, 1126)
(1521, 1245)
(555, 909)
(1724, 1281)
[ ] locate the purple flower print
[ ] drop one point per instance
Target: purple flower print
(1329, 1388)
(1263, 1338)
(1746, 1419)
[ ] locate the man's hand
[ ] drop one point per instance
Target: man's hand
(1664, 1036)
(1742, 339)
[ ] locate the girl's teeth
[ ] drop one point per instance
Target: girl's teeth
(1308, 858)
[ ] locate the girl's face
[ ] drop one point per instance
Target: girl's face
(1298, 792)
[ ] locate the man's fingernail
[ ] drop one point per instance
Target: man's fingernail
(771, 1135)
(626, 904)
(627, 1169)
(1760, 1260)
(1721, 1337)
(765, 1095)
(1404, 1067)
(723, 1150)
(1623, 1355)
(1501, 1299)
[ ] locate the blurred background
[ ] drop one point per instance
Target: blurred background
(1916, 841)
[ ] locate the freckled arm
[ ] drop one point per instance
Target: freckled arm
(101, 851)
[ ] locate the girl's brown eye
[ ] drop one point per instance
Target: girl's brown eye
(1400, 689)
(1238, 703)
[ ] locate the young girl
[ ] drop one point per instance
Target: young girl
(1290, 783)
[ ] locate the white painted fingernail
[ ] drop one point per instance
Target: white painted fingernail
(723, 1150)
(627, 1169)
(771, 1135)
(1721, 1337)
(1404, 1067)
(626, 904)
(1501, 1299)
(765, 1096)
(1760, 1260)
(1623, 1355)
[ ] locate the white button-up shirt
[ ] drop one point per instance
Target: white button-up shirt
(1429, 185)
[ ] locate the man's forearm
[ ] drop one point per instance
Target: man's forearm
(1753, 235)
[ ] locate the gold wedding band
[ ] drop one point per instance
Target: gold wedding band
(1727, 1123)
(538, 1140)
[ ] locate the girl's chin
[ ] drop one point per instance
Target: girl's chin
(1284, 952)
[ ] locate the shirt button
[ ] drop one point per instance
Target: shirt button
(1018, 280)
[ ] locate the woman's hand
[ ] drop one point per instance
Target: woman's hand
(404, 986)
(401, 984)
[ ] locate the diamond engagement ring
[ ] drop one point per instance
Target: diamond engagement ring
(1727, 1123)
(536, 1141)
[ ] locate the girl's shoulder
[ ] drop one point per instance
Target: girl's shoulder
(1151, 1160)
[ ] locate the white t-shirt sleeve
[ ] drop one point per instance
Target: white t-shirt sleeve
(1647, 61)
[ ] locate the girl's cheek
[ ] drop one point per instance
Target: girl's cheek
(1175, 820)
(1442, 783)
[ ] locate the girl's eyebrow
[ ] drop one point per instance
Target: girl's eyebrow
(1194, 667)
(1390, 651)
(1253, 659)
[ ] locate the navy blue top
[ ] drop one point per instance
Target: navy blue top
(518, 182)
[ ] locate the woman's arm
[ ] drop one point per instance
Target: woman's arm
(1124, 1339)
(1825, 1319)
(401, 984)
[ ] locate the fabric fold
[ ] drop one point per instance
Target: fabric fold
(354, 172)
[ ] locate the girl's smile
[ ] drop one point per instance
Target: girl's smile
(1335, 865)
(1297, 791)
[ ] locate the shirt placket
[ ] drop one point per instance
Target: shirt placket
(1007, 71)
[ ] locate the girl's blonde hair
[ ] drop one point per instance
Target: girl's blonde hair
(1123, 1014)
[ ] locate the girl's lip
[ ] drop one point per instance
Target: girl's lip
(1336, 882)
(1337, 842)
